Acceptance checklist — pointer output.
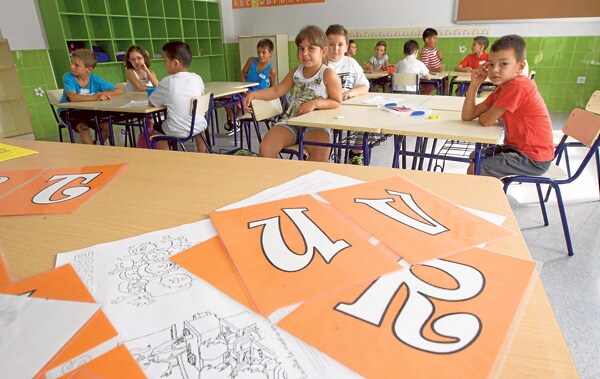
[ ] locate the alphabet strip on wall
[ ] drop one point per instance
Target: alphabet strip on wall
(238, 4)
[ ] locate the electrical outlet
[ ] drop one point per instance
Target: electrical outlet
(581, 80)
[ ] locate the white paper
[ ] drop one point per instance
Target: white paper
(135, 104)
(160, 309)
(381, 100)
(33, 330)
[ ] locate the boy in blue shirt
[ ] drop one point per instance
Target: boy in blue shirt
(81, 85)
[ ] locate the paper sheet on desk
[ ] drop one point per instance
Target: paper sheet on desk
(135, 104)
(381, 100)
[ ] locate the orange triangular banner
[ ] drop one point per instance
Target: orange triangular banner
(293, 250)
(415, 223)
(60, 190)
(449, 317)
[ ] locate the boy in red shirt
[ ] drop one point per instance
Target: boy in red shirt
(477, 58)
(527, 148)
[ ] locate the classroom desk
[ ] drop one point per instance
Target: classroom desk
(374, 75)
(407, 98)
(447, 103)
(449, 127)
(226, 94)
(124, 209)
(463, 80)
(117, 106)
(365, 120)
(438, 79)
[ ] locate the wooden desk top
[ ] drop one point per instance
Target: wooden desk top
(363, 119)
(447, 103)
(220, 89)
(376, 75)
(449, 126)
(152, 193)
(115, 104)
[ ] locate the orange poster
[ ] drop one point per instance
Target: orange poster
(63, 283)
(11, 179)
(4, 275)
(117, 363)
(415, 223)
(447, 317)
(60, 190)
(293, 250)
(209, 260)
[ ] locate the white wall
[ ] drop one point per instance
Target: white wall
(21, 24)
(362, 14)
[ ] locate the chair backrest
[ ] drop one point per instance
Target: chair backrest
(403, 80)
(202, 105)
(54, 96)
(593, 104)
(583, 126)
(264, 109)
(532, 75)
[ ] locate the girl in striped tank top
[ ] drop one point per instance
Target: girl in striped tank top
(312, 85)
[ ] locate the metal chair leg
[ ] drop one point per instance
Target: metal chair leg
(563, 217)
(542, 203)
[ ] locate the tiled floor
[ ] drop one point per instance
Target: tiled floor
(572, 283)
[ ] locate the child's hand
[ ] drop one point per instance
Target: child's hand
(368, 67)
(440, 55)
(479, 75)
(307, 107)
(467, 69)
(104, 96)
(248, 100)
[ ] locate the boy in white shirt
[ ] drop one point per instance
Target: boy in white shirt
(354, 81)
(411, 65)
(176, 92)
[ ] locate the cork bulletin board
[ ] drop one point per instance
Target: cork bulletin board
(511, 10)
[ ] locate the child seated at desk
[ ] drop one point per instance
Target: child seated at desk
(477, 58)
(81, 85)
(352, 50)
(312, 85)
(259, 70)
(527, 148)
(354, 81)
(176, 92)
(137, 70)
(378, 61)
(352, 76)
(411, 65)
(431, 57)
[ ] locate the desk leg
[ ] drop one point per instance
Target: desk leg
(70, 127)
(396, 157)
(301, 131)
(478, 158)
(366, 150)
(98, 130)
(111, 133)
(433, 146)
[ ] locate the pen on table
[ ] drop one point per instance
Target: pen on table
(390, 105)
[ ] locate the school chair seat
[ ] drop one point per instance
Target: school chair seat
(262, 111)
(200, 106)
(402, 80)
(584, 127)
(294, 151)
(54, 96)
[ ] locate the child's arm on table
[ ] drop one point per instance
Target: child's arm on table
(470, 111)
(334, 94)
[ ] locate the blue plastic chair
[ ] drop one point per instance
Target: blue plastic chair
(200, 107)
(584, 127)
(593, 106)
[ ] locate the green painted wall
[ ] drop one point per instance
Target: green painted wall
(557, 61)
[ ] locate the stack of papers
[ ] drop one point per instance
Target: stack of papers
(323, 276)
